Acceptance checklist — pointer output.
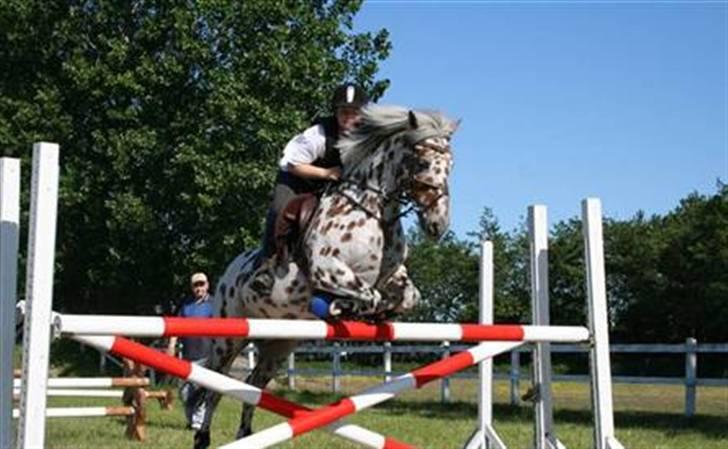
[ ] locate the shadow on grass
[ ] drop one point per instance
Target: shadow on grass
(670, 423)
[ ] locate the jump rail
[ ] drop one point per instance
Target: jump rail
(78, 412)
(132, 326)
(93, 382)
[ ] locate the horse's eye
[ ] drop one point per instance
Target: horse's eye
(422, 165)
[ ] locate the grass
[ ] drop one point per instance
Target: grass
(647, 417)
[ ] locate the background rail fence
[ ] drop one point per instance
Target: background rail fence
(690, 349)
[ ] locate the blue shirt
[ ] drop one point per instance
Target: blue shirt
(196, 348)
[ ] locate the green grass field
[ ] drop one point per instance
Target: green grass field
(647, 417)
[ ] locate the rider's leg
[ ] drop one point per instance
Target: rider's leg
(263, 278)
(282, 194)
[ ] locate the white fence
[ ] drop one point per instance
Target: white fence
(690, 349)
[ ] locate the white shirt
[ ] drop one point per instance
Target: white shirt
(304, 148)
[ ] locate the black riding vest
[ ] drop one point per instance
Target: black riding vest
(331, 158)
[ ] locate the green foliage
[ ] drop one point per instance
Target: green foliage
(170, 117)
(679, 274)
(667, 276)
(510, 267)
(446, 274)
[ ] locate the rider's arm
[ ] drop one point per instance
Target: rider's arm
(309, 171)
(302, 151)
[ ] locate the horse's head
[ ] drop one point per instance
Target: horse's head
(406, 156)
(428, 161)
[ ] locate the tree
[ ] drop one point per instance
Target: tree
(695, 262)
(510, 270)
(170, 116)
(446, 273)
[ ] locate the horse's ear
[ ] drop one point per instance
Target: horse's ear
(455, 126)
(412, 120)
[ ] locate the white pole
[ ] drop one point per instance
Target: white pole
(250, 349)
(92, 382)
(515, 378)
(81, 392)
(485, 436)
(485, 316)
(544, 436)
(601, 374)
(39, 295)
(9, 231)
(81, 412)
(691, 374)
(292, 370)
(387, 361)
(445, 381)
(486, 296)
(336, 369)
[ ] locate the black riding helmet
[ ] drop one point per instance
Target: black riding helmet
(349, 95)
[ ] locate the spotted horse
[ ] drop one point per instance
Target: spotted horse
(354, 249)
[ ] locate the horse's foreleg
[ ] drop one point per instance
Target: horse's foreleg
(222, 353)
(399, 294)
(335, 277)
(271, 355)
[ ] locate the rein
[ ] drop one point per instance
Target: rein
(397, 195)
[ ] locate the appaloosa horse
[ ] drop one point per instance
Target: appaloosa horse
(354, 248)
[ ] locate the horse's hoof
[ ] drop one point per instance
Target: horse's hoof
(243, 432)
(202, 440)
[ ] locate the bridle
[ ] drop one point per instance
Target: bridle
(400, 194)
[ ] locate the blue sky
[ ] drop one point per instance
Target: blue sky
(625, 101)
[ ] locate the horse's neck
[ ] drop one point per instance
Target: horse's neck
(381, 170)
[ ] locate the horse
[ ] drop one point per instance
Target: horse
(396, 160)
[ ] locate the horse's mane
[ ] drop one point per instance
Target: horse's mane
(380, 123)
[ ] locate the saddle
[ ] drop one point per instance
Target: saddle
(291, 223)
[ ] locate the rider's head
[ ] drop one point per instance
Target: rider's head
(346, 102)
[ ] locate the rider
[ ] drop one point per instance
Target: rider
(310, 160)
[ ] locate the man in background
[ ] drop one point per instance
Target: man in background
(194, 349)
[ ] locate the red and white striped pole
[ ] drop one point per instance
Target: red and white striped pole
(133, 326)
(333, 412)
(222, 384)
